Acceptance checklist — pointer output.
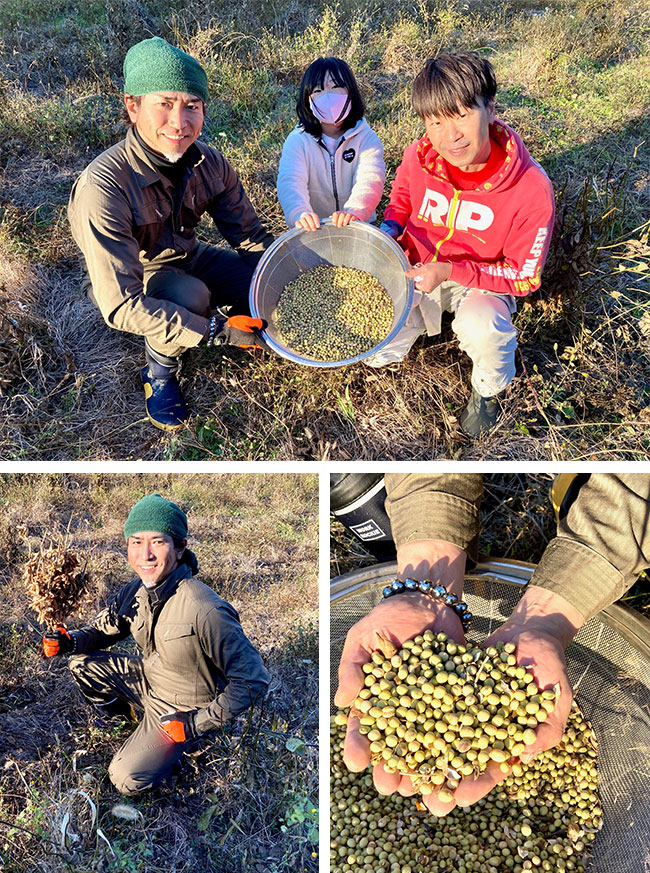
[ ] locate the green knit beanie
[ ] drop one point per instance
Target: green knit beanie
(154, 513)
(155, 65)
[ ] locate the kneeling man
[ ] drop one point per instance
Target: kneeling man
(134, 211)
(196, 669)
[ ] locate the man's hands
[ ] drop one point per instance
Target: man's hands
(428, 276)
(58, 642)
(310, 221)
(180, 725)
(239, 330)
(541, 627)
(397, 619)
(543, 654)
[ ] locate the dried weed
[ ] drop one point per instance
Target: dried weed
(59, 589)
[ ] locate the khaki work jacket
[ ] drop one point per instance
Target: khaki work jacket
(601, 547)
(122, 217)
(194, 651)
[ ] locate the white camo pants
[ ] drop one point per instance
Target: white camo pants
(482, 323)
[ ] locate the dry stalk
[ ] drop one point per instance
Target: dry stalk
(57, 585)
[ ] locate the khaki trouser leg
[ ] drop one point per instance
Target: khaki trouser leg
(482, 324)
(485, 332)
(170, 283)
(209, 278)
(149, 754)
(102, 676)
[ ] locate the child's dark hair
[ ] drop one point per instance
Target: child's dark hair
(453, 82)
(314, 77)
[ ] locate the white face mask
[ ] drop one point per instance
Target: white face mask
(330, 107)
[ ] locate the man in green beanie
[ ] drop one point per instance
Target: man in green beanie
(134, 211)
(196, 669)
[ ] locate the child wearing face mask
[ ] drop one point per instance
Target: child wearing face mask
(332, 163)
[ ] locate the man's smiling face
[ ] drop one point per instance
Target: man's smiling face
(462, 139)
(168, 122)
(152, 556)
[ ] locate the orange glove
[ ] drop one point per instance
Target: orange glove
(179, 725)
(238, 330)
(245, 323)
(58, 642)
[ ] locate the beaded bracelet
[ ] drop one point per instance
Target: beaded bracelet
(438, 592)
(213, 331)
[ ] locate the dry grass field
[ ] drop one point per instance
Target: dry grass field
(249, 802)
(574, 79)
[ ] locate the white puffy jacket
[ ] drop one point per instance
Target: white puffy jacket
(350, 180)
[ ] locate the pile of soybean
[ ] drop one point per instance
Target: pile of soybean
(333, 313)
(440, 711)
(541, 817)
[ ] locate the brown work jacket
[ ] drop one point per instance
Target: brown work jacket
(122, 217)
(194, 651)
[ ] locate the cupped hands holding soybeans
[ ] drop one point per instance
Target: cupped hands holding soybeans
(438, 712)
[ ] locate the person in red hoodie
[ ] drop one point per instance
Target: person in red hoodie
(474, 213)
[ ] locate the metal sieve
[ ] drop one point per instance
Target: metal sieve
(360, 246)
(609, 666)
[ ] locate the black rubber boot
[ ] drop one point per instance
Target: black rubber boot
(480, 414)
(163, 401)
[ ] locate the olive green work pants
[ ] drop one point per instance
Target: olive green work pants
(149, 754)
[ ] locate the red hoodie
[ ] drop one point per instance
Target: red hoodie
(496, 237)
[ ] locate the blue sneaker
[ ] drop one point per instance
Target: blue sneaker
(163, 401)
